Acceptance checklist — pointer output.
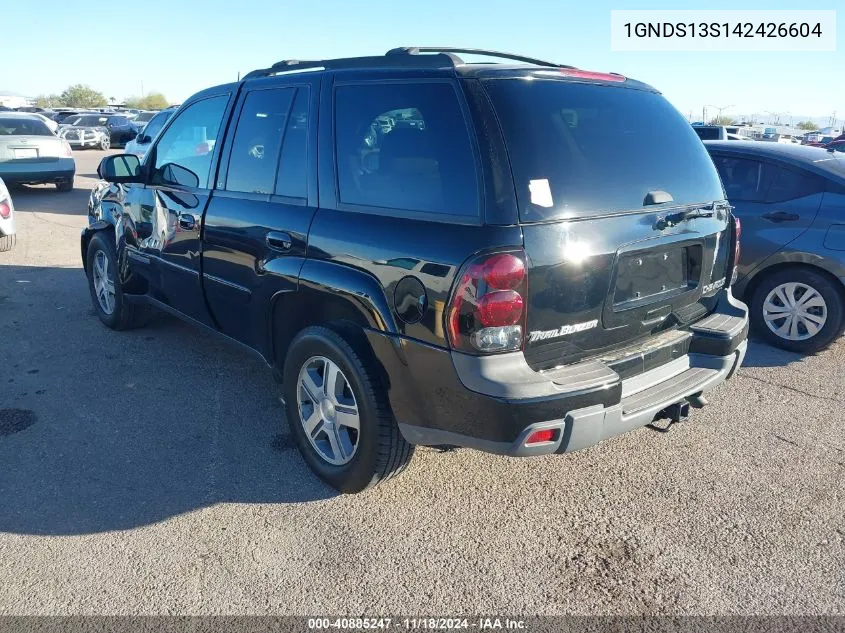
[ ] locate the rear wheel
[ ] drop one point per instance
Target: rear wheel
(798, 309)
(65, 185)
(106, 287)
(105, 144)
(7, 243)
(338, 413)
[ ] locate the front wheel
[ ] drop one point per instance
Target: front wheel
(798, 309)
(106, 287)
(338, 412)
(7, 242)
(105, 144)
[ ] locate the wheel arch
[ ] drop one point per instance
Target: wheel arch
(328, 294)
(762, 274)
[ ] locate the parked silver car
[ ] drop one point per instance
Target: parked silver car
(7, 219)
(31, 154)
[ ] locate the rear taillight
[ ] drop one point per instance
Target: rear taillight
(5, 210)
(487, 311)
(66, 151)
(737, 233)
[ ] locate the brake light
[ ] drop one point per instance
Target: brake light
(5, 210)
(66, 151)
(589, 74)
(737, 235)
(487, 311)
(540, 437)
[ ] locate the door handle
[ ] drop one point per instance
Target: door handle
(279, 241)
(187, 222)
(780, 216)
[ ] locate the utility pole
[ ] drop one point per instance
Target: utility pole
(704, 114)
(720, 109)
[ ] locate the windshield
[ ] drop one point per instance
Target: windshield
(88, 121)
(10, 126)
(580, 149)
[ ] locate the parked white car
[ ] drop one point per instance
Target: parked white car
(7, 219)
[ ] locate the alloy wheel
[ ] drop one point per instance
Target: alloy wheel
(328, 410)
(795, 311)
(103, 282)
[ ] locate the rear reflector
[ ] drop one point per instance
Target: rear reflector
(589, 74)
(539, 437)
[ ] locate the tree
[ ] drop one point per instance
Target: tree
(81, 96)
(48, 101)
(151, 101)
(722, 120)
(807, 125)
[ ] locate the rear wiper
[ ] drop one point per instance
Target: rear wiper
(673, 219)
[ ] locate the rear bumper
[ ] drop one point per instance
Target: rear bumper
(494, 403)
(31, 173)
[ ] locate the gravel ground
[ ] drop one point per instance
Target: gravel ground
(151, 472)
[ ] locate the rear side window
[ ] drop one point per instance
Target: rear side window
(790, 185)
(579, 150)
(292, 173)
(404, 146)
(745, 179)
(258, 141)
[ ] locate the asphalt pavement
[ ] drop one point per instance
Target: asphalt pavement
(152, 472)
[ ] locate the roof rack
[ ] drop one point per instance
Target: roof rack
(404, 57)
(416, 50)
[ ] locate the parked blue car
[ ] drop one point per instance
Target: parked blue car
(790, 200)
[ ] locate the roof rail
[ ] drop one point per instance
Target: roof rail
(395, 58)
(416, 50)
(380, 61)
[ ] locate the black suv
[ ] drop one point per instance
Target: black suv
(522, 258)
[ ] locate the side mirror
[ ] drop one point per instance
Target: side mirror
(120, 168)
(143, 139)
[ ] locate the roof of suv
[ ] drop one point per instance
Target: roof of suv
(446, 59)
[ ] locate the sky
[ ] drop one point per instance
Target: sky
(179, 47)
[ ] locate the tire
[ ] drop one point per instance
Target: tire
(124, 314)
(798, 285)
(7, 242)
(105, 144)
(380, 451)
(65, 185)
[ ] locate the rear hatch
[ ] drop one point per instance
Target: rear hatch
(624, 222)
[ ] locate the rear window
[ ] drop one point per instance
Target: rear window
(707, 133)
(579, 150)
(582, 149)
(23, 127)
(89, 121)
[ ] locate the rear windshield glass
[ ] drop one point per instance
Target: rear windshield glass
(23, 127)
(707, 133)
(145, 116)
(579, 150)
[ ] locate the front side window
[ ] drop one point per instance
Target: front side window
(155, 125)
(184, 151)
(744, 179)
(404, 146)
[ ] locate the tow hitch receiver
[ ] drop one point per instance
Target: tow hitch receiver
(677, 412)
